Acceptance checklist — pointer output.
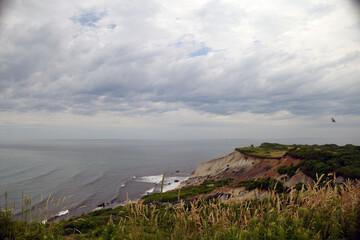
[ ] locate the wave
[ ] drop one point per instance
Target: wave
(61, 213)
(92, 181)
(97, 208)
(116, 198)
(171, 183)
(151, 179)
(8, 173)
(151, 190)
(127, 181)
(33, 179)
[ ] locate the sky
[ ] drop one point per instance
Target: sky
(166, 69)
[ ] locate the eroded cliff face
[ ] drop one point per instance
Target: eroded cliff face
(235, 161)
(242, 167)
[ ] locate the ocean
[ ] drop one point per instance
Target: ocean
(83, 175)
(95, 173)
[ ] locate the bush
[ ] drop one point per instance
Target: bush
(263, 184)
(283, 169)
(328, 158)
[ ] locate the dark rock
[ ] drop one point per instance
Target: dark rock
(219, 195)
(101, 205)
(176, 180)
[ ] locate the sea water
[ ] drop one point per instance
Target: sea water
(92, 174)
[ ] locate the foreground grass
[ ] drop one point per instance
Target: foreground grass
(322, 211)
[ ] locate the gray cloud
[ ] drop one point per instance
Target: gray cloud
(139, 63)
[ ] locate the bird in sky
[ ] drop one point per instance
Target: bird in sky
(333, 120)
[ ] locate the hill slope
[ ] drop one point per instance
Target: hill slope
(289, 163)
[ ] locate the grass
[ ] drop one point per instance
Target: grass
(185, 192)
(46, 209)
(321, 211)
(266, 150)
(30, 223)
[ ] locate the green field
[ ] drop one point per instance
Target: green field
(266, 150)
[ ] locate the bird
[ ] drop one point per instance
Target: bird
(333, 120)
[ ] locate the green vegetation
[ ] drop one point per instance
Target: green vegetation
(264, 184)
(265, 150)
(325, 211)
(317, 159)
(289, 170)
(209, 186)
(186, 192)
(329, 158)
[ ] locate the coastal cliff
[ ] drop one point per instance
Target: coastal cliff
(255, 172)
(241, 167)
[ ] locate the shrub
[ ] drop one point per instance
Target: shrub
(283, 169)
(263, 184)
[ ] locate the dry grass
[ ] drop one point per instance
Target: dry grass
(41, 212)
(320, 211)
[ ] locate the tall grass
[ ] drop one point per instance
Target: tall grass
(321, 211)
(31, 218)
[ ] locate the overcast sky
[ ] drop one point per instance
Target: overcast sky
(166, 69)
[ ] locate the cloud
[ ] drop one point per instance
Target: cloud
(150, 59)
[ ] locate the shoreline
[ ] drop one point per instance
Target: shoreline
(130, 191)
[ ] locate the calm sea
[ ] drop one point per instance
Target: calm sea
(95, 173)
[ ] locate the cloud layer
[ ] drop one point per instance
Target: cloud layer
(202, 62)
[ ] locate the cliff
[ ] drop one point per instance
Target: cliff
(240, 167)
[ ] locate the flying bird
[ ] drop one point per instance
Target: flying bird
(333, 120)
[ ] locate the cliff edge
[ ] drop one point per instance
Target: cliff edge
(241, 167)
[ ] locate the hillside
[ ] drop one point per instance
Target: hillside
(240, 167)
(248, 173)
(291, 163)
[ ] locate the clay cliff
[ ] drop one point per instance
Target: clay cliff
(240, 167)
